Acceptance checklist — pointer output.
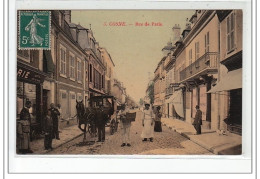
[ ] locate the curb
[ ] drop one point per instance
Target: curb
(69, 140)
(219, 150)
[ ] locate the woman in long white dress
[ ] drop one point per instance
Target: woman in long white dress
(148, 123)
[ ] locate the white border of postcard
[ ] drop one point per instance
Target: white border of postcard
(129, 163)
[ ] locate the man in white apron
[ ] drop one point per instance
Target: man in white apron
(148, 123)
(125, 126)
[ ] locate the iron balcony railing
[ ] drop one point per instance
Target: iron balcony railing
(209, 61)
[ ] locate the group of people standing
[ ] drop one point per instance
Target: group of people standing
(151, 122)
(50, 128)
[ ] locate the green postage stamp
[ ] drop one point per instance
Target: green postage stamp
(34, 30)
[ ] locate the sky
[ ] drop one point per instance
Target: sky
(135, 50)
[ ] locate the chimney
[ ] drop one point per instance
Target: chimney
(176, 33)
(67, 14)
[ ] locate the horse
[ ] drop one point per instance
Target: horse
(85, 116)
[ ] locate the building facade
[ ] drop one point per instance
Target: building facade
(109, 73)
(70, 64)
(228, 88)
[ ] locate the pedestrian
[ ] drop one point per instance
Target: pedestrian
(198, 120)
(59, 117)
(125, 126)
(48, 129)
(55, 117)
(101, 122)
(23, 129)
(148, 123)
(157, 120)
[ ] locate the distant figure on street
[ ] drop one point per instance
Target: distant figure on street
(125, 126)
(48, 129)
(148, 123)
(55, 117)
(23, 129)
(101, 122)
(198, 120)
(158, 124)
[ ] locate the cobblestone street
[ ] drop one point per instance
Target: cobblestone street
(166, 142)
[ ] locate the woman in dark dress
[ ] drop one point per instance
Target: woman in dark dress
(158, 124)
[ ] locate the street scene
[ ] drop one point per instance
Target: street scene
(129, 82)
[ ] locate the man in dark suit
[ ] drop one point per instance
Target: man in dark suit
(198, 120)
(101, 122)
(55, 117)
(48, 128)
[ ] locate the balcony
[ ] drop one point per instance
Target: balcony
(208, 63)
(169, 91)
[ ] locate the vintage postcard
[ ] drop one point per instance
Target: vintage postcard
(129, 82)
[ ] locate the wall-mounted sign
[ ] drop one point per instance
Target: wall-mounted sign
(25, 74)
(175, 84)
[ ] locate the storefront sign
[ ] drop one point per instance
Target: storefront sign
(30, 76)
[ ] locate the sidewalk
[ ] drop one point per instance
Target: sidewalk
(67, 134)
(229, 144)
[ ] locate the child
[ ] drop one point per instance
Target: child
(48, 131)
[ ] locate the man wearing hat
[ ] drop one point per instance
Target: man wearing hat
(198, 120)
(55, 116)
(23, 129)
(148, 123)
(101, 119)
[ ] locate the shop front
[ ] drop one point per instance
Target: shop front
(30, 88)
(232, 84)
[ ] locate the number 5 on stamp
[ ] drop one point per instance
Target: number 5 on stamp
(34, 30)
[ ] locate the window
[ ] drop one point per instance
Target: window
(79, 71)
(90, 72)
(63, 61)
(72, 66)
(230, 32)
(109, 72)
(102, 81)
(73, 96)
(197, 50)
(63, 95)
(24, 55)
(207, 42)
(86, 75)
(79, 97)
(190, 56)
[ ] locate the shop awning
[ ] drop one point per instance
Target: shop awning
(48, 66)
(173, 96)
(177, 100)
(232, 80)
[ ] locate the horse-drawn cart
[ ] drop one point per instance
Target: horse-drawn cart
(87, 116)
(109, 106)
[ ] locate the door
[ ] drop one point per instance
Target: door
(72, 102)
